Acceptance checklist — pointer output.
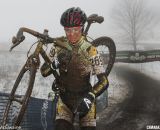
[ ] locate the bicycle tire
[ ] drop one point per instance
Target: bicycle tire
(109, 43)
(25, 100)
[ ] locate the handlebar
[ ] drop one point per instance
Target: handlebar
(45, 38)
(20, 37)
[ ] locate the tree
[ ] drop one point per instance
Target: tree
(133, 18)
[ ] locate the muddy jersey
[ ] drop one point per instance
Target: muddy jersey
(76, 64)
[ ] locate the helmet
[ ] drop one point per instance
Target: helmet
(73, 17)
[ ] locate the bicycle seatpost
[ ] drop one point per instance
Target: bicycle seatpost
(76, 120)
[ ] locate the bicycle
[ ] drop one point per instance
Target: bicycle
(33, 62)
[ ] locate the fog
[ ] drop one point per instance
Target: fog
(41, 14)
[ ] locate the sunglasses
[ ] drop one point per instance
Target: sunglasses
(73, 29)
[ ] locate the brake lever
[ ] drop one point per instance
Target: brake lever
(17, 41)
(13, 46)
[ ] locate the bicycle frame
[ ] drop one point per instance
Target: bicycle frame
(33, 63)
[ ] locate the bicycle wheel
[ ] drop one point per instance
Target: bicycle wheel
(24, 99)
(107, 49)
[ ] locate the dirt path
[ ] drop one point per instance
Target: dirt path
(142, 109)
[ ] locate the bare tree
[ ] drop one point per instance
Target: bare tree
(133, 18)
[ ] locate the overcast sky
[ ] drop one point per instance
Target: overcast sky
(41, 14)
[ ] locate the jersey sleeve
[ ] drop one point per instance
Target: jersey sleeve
(99, 70)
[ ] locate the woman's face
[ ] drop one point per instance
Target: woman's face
(73, 34)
